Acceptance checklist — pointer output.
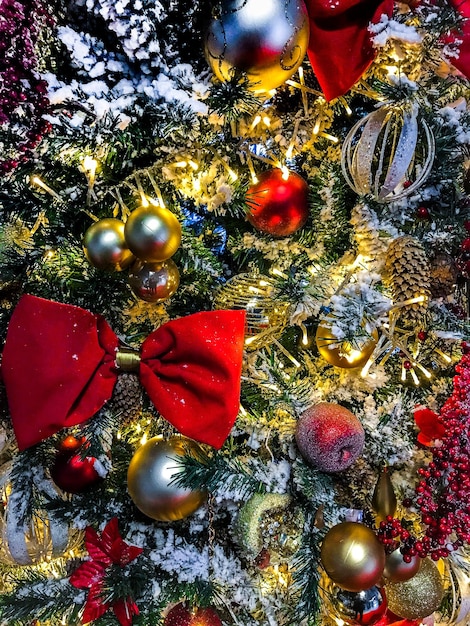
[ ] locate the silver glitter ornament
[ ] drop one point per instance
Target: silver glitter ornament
(267, 39)
(105, 247)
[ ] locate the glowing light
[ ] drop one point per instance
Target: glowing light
(403, 373)
(267, 121)
(193, 164)
(414, 377)
(143, 439)
(304, 335)
(330, 137)
(285, 173)
(443, 356)
(255, 122)
(89, 165)
(180, 164)
(277, 272)
(49, 254)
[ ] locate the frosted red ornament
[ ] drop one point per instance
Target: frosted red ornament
(329, 437)
(278, 204)
(181, 615)
(71, 471)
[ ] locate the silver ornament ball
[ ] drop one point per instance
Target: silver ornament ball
(267, 39)
(362, 608)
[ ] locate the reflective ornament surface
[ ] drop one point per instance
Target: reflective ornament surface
(278, 205)
(329, 436)
(418, 597)
(105, 247)
(183, 614)
(384, 500)
(362, 608)
(152, 233)
(341, 353)
(268, 523)
(266, 315)
(389, 153)
(154, 282)
(149, 479)
(352, 556)
(267, 40)
(397, 570)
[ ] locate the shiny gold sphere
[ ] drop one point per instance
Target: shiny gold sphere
(154, 282)
(397, 570)
(105, 246)
(342, 353)
(267, 40)
(418, 597)
(352, 556)
(153, 233)
(150, 475)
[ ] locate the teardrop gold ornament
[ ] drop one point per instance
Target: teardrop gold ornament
(384, 500)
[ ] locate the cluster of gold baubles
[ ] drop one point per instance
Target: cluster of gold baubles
(364, 581)
(144, 245)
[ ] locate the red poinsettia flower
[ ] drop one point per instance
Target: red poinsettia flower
(429, 424)
(105, 549)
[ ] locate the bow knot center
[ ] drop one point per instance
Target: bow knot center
(127, 359)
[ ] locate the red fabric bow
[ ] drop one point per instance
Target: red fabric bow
(430, 425)
(340, 46)
(59, 369)
(461, 39)
(105, 550)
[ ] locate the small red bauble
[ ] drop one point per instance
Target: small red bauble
(277, 205)
(71, 472)
(422, 213)
(181, 615)
(422, 335)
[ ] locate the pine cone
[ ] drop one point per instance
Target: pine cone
(366, 234)
(407, 275)
(354, 486)
(443, 273)
(127, 397)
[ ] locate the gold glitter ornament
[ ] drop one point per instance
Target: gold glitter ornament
(153, 233)
(149, 479)
(154, 282)
(266, 316)
(352, 556)
(41, 539)
(268, 524)
(340, 352)
(105, 247)
(418, 597)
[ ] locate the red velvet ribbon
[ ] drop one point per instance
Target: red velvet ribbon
(340, 46)
(105, 550)
(462, 39)
(59, 369)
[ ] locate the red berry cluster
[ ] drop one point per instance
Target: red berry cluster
(23, 98)
(443, 493)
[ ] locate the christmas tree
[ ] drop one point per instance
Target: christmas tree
(235, 265)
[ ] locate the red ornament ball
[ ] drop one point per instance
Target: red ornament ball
(329, 437)
(465, 245)
(277, 205)
(71, 471)
(181, 615)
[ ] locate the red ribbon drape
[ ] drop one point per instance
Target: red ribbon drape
(462, 39)
(59, 369)
(340, 46)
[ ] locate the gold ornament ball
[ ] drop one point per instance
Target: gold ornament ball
(105, 247)
(149, 479)
(152, 233)
(418, 597)
(267, 40)
(352, 556)
(397, 570)
(154, 282)
(341, 353)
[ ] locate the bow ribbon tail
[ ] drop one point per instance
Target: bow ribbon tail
(461, 38)
(340, 46)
